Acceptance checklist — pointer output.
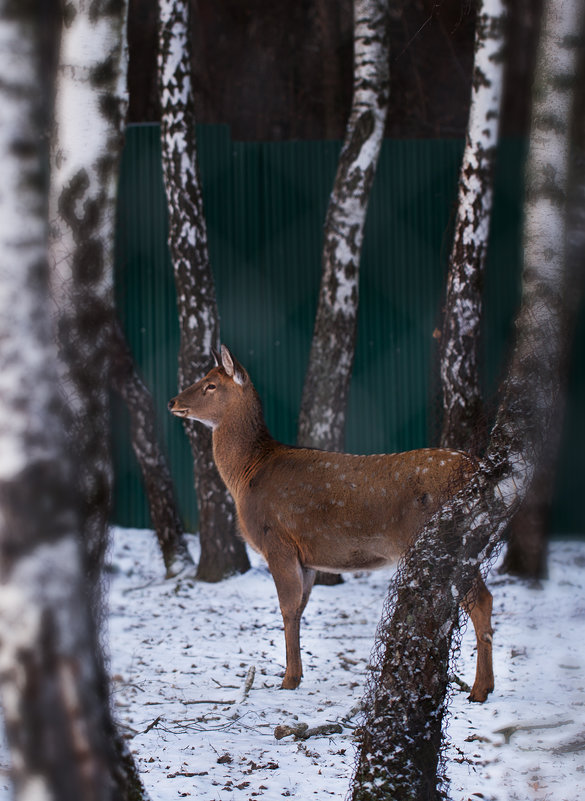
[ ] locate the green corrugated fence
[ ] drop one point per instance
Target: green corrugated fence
(265, 205)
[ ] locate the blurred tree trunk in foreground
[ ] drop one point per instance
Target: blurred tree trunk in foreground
(222, 551)
(57, 724)
(85, 153)
(90, 105)
(406, 698)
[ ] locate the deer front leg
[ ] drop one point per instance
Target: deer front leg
(478, 604)
(293, 586)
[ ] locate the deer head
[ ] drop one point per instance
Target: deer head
(208, 400)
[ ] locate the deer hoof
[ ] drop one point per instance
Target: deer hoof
(479, 694)
(290, 682)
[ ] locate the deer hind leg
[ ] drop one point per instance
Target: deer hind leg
(293, 586)
(478, 604)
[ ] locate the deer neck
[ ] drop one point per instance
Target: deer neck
(240, 443)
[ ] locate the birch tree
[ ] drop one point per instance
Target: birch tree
(405, 704)
(462, 396)
(158, 482)
(326, 387)
(89, 115)
(86, 144)
(222, 551)
(57, 727)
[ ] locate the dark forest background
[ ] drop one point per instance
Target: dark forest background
(282, 69)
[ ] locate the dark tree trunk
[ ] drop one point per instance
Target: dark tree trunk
(406, 700)
(222, 551)
(156, 475)
(464, 426)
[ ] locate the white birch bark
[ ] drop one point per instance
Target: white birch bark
(462, 403)
(222, 551)
(326, 387)
(406, 703)
(90, 106)
(48, 679)
(89, 116)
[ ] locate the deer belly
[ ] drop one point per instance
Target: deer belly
(337, 555)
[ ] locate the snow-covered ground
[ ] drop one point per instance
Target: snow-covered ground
(183, 655)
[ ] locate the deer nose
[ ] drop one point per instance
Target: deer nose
(171, 404)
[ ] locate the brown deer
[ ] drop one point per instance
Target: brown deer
(306, 510)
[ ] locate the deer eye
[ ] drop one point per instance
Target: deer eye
(210, 387)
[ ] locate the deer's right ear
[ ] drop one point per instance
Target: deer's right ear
(232, 368)
(216, 358)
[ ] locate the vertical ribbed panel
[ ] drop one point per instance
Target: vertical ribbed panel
(265, 207)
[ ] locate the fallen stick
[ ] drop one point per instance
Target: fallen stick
(302, 731)
(511, 729)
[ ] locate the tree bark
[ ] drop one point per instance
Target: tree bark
(464, 426)
(85, 153)
(222, 551)
(90, 105)
(405, 705)
(326, 387)
(56, 725)
(156, 475)
(527, 547)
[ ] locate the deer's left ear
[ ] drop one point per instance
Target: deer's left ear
(232, 367)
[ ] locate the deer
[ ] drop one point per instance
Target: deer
(306, 509)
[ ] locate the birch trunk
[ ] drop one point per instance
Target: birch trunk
(156, 475)
(405, 705)
(90, 104)
(326, 387)
(49, 680)
(86, 146)
(460, 340)
(222, 551)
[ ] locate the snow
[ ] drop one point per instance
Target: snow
(182, 654)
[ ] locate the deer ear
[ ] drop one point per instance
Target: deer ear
(216, 357)
(233, 368)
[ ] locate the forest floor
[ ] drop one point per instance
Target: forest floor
(196, 672)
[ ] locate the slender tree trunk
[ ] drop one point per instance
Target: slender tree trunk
(326, 387)
(56, 725)
(464, 426)
(222, 551)
(405, 705)
(90, 109)
(156, 475)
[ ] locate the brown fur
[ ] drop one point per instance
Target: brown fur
(306, 510)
